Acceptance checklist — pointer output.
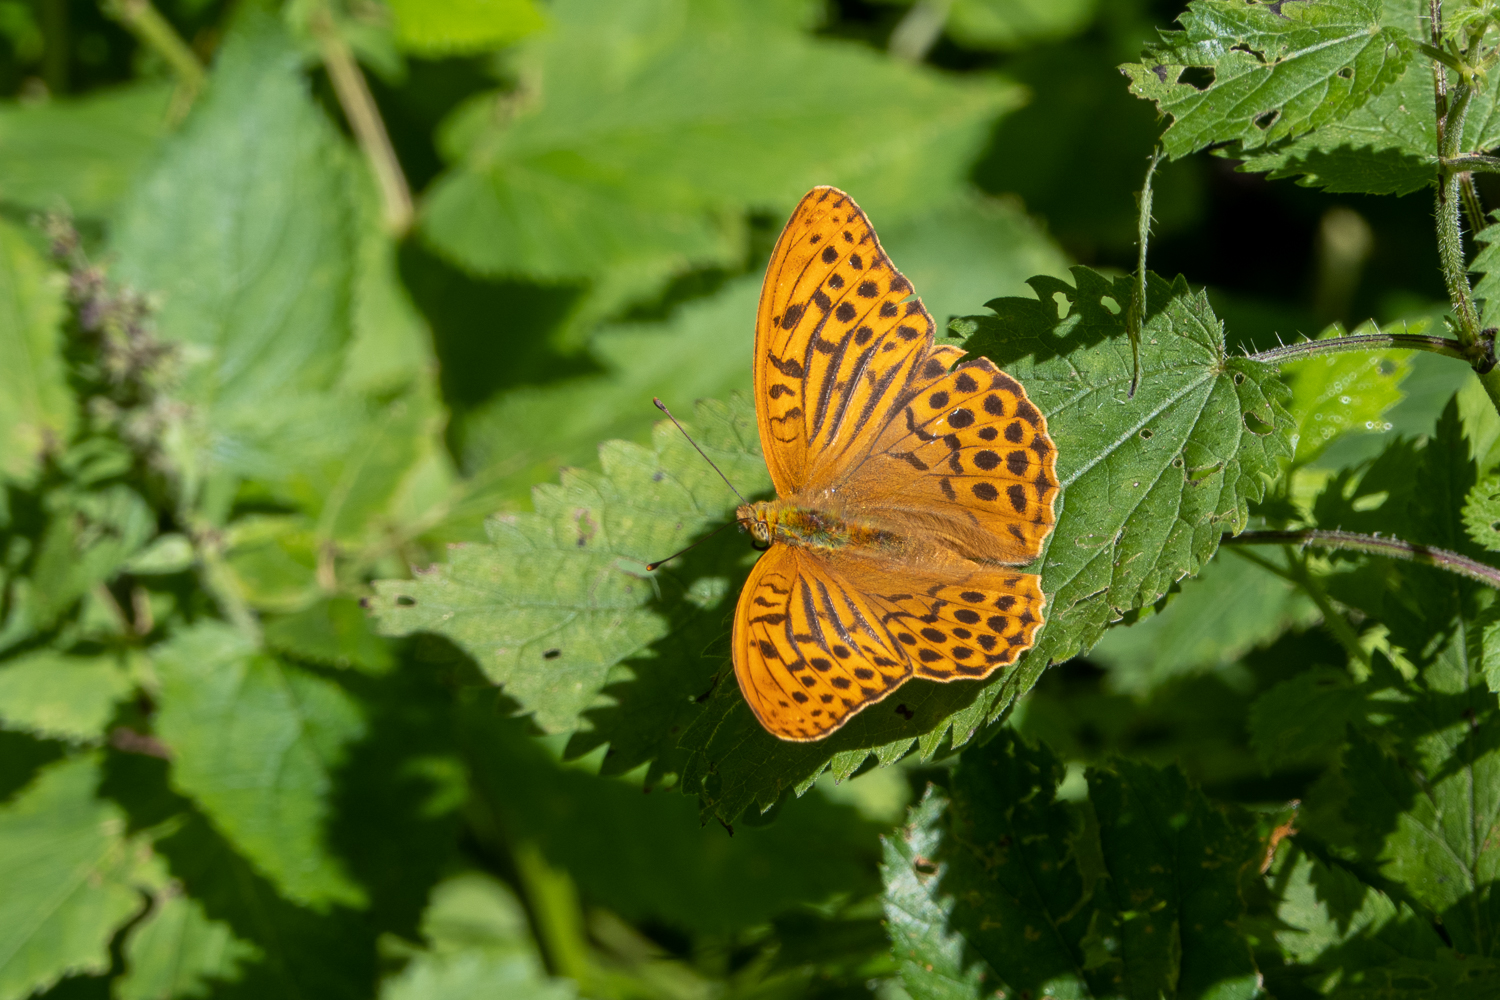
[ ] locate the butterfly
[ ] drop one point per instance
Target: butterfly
(906, 489)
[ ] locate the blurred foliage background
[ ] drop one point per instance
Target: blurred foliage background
(295, 296)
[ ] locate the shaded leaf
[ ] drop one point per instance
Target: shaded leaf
(1278, 71)
(179, 951)
(1482, 513)
(335, 632)
(89, 538)
(1229, 608)
(61, 697)
(1016, 24)
(71, 879)
(36, 406)
(1335, 394)
(255, 742)
(1305, 719)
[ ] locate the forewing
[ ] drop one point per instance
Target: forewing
(837, 341)
(965, 458)
(809, 650)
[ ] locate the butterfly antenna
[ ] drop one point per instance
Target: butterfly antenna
(663, 408)
(651, 567)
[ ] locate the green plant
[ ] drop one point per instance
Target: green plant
(329, 661)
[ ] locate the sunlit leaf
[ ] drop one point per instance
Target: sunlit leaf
(36, 406)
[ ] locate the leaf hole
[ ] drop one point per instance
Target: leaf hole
(1063, 305)
(1256, 425)
(551, 654)
(1109, 303)
(1177, 462)
(1347, 73)
(1197, 77)
(1239, 378)
(405, 602)
(1145, 434)
(1266, 119)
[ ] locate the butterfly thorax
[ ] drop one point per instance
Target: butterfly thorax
(781, 522)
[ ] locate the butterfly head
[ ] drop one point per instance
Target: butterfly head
(760, 520)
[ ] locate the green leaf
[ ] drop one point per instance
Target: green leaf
(462, 26)
(82, 153)
(179, 951)
(71, 879)
(61, 697)
(1486, 264)
(243, 228)
(1482, 513)
(335, 632)
(1277, 71)
(1133, 894)
(255, 742)
(644, 166)
(932, 960)
(560, 596)
(1335, 394)
(479, 945)
(1389, 145)
(1304, 719)
(1228, 609)
(36, 406)
(89, 538)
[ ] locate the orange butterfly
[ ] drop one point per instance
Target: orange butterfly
(902, 489)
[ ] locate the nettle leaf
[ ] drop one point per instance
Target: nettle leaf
(1335, 394)
(1344, 937)
(1482, 513)
(1486, 264)
(1230, 608)
(81, 153)
(1305, 719)
(556, 602)
(36, 406)
(88, 538)
(692, 113)
(462, 26)
(71, 878)
(1277, 70)
(1134, 893)
(255, 742)
(177, 950)
(62, 697)
(1388, 146)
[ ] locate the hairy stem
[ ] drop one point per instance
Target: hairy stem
(1445, 346)
(155, 32)
(1296, 573)
(365, 121)
(1377, 545)
(1137, 317)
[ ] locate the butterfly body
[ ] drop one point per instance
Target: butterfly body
(908, 489)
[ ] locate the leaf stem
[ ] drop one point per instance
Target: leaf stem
(365, 121)
(146, 23)
(1446, 346)
(1137, 317)
(1296, 573)
(1377, 545)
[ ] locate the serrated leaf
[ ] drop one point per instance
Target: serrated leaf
(692, 113)
(1279, 71)
(1336, 394)
(1486, 265)
(89, 537)
(1482, 513)
(1388, 146)
(932, 960)
(81, 153)
(479, 946)
(335, 632)
(1304, 719)
(459, 27)
(71, 879)
(177, 950)
(1141, 903)
(61, 697)
(255, 742)
(1228, 609)
(36, 405)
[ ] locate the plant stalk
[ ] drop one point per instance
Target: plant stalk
(365, 121)
(1376, 545)
(1446, 346)
(146, 23)
(1296, 573)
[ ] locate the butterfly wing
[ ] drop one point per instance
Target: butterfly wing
(857, 407)
(835, 340)
(819, 637)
